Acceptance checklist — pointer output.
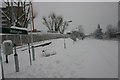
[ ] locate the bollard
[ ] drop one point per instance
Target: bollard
(29, 54)
(16, 60)
(33, 53)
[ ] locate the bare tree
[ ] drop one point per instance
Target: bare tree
(63, 27)
(55, 23)
(46, 23)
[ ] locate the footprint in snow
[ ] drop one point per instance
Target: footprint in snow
(58, 62)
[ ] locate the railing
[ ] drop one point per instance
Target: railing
(24, 39)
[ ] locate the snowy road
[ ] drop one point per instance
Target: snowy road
(89, 58)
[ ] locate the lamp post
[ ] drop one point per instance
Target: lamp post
(66, 24)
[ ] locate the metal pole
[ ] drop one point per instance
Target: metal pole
(16, 60)
(32, 47)
(2, 70)
(32, 17)
(29, 54)
(65, 24)
(6, 57)
(20, 39)
(32, 24)
(64, 43)
(33, 53)
(13, 18)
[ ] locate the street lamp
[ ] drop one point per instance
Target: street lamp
(65, 35)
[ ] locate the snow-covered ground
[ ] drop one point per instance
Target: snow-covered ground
(88, 58)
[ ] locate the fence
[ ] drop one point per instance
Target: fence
(24, 39)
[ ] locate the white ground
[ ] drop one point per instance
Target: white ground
(89, 58)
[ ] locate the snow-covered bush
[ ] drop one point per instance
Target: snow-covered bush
(76, 35)
(110, 31)
(47, 53)
(98, 34)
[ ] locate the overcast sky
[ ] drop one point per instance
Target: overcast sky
(88, 14)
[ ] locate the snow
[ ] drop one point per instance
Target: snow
(14, 27)
(88, 58)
